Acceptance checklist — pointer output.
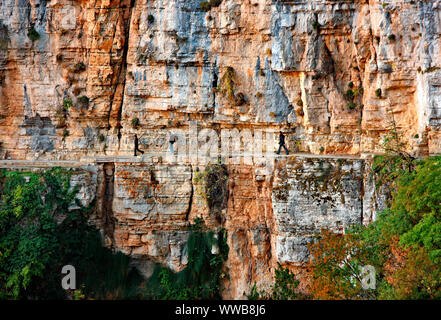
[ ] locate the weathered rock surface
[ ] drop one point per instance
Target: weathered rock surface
(161, 62)
(79, 78)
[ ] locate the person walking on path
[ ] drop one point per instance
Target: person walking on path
(136, 145)
(282, 143)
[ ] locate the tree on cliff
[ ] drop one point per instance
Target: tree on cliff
(404, 244)
(39, 234)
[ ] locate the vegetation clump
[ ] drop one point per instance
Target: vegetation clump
(43, 227)
(378, 93)
(208, 5)
(33, 34)
(135, 122)
(40, 232)
(285, 287)
(227, 82)
(351, 105)
(214, 186)
(79, 67)
(403, 245)
(207, 251)
(67, 103)
(351, 95)
(316, 25)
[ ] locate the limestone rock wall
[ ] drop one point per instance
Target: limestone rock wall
(98, 65)
(79, 78)
(269, 218)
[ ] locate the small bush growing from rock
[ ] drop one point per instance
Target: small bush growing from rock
(135, 122)
(101, 138)
(207, 5)
(227, 82)
(213, 183)
(378, 93)
(79, 67)
(349, 94)
(67, 103)
(300, 103)
(316, 25)
(391, 37)
(66, 133)
(150, 18)
(259, 95)
(351, 105)
(358, 92)
(33, 35)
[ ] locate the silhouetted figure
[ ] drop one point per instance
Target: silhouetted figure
(136, 145)
(282, 143)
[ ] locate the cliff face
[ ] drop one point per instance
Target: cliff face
(159, 61)
(79, 78)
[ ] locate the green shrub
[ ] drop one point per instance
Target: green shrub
(284, 287)
(203, 273)
(33, 34)
(351, 105)
(378, 93)
(39, 234)
(349, 95)
(135, 122)
(67, 103)
(227, 82)
(208, 5)
(79, 67)
(214, 185)
(150, 18)
(358, 92)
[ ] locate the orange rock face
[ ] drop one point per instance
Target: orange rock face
(79, 78)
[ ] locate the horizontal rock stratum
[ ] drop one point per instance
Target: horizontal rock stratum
(79, 78)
